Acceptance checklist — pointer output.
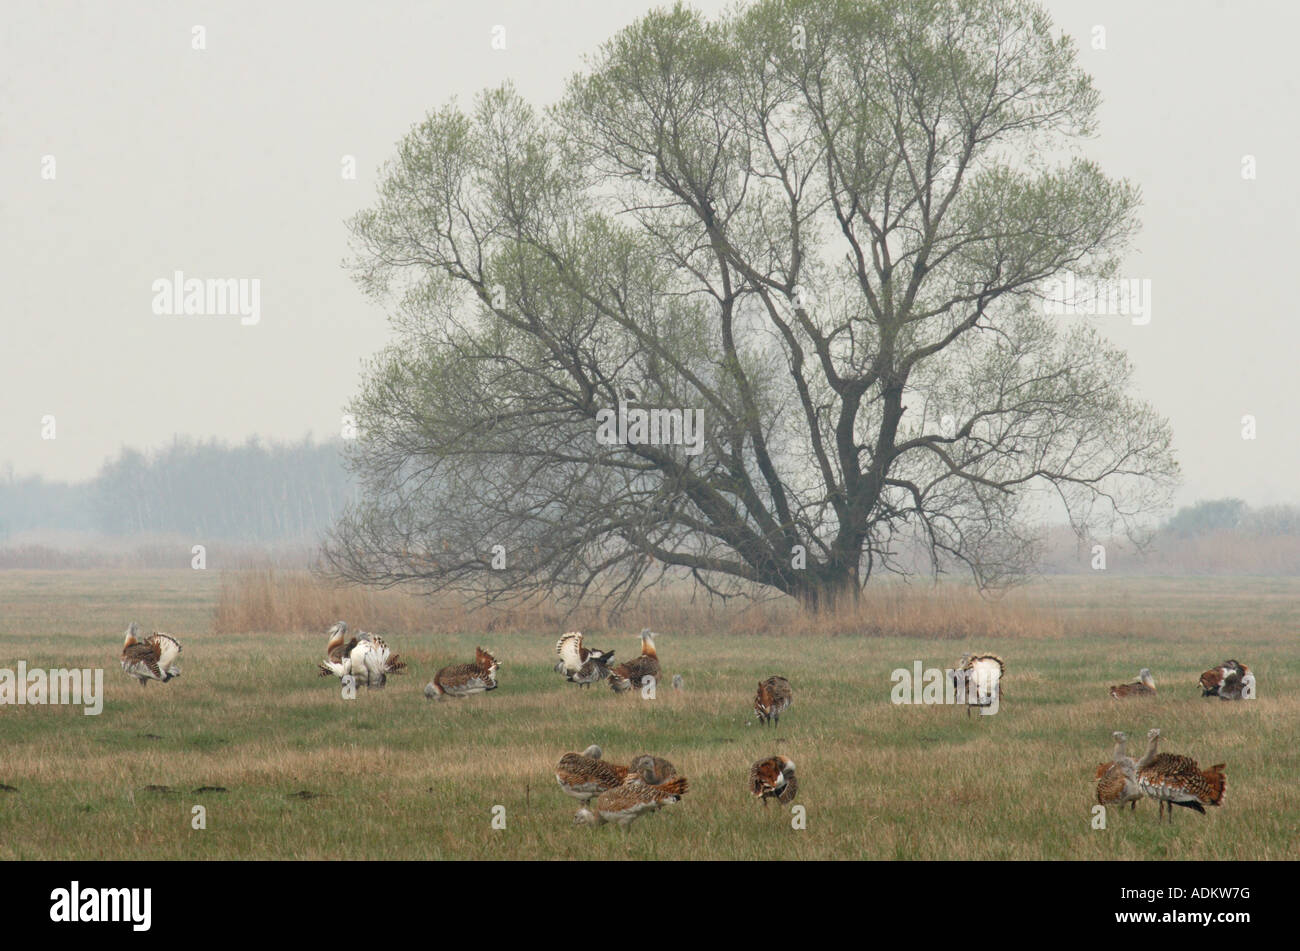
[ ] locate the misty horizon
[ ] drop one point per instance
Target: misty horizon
(228, 163)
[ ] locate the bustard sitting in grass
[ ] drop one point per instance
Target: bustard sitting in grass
(653, 770)
(634, 798)
(463, 680)
(584, 776)
(1237, 686)
(1144, 686)
(1229, 681)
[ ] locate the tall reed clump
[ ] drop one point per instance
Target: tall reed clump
(267, 599)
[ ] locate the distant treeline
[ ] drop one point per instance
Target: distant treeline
(1213, 537)
(1232, 516)
(254, 492)
(280, 498)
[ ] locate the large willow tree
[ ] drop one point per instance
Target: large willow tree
(825, 225)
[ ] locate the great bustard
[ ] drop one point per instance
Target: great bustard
(1117, 781)
(1231, 680)
(579, 664)
(635, 672)
(1238, 687)
(634, 798)
(584, 776)
(773, 778)
(338, 650)
(978, 677)
(151, 658)
(772, 699)
(1144, 686)
(1178, 780)
(653, 770)
(366, 658)
(462, 680)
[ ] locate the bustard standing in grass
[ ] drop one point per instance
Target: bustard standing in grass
(151, 658)
(1117, 781)
(1144, 686)
(773, 778)
(581, 665)
(978, 677)
(1178, 781)
(635, 672)
(366, 658)
(338, 651)
(773, 699)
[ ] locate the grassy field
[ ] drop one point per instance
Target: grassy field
(394, 776)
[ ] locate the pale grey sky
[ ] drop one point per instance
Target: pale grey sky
(226, 163)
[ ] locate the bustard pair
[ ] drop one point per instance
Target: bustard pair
(611, 793)
(1170, 779)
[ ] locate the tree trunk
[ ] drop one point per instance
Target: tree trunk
(829, 590)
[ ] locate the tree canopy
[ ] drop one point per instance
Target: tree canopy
(822, 226)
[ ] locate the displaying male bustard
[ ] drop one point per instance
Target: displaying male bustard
(1117, 781)
(634, 673)
(1178, 781)
(773, 778)
(1144, 686)
(772, 700)
(978, 677)
(151, 658)
(581, 665)
(366, 658)
(338, 650)
(634, 798)
(463, 680)
(1231, 680)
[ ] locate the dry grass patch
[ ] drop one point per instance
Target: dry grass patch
(392, 775)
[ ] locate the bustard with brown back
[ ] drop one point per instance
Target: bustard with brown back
(637, 671)
(1178, 781)
(584, 776)
(463, 680)
(773, 778)
(773, 699)
(1144, 686)
(634, 798)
